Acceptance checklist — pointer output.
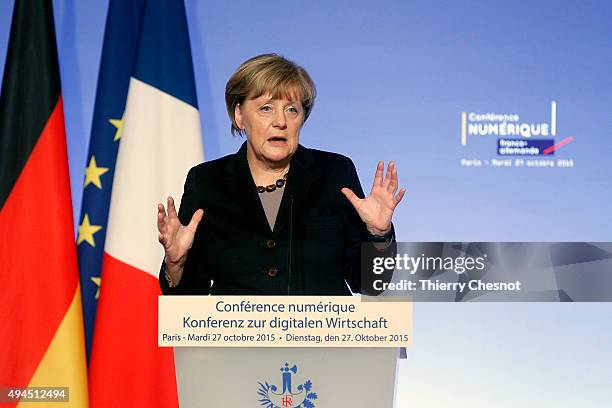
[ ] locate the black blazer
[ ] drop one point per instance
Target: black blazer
(314, 248)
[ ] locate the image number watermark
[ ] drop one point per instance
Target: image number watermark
(34, 394)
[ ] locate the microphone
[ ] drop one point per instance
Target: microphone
(289, 265)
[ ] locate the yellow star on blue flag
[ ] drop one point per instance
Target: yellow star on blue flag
(87, 231)
(93, 173)
(118, 123)
(96, 280)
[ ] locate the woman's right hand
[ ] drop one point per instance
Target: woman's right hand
(176, 238)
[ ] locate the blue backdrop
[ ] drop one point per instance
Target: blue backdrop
(394, 78)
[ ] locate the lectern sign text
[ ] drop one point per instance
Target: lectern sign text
(282, 321)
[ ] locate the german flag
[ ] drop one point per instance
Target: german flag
(41, 327)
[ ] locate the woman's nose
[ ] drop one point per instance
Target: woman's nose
(279, 119)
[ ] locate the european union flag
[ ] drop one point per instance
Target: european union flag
(118, 53)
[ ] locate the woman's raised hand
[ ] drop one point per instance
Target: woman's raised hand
(376, 210)
(176, 238)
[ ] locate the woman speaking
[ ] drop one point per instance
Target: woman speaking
(275, 218)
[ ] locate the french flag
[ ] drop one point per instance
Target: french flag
(160, 142)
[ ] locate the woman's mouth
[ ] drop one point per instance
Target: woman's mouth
(278, 141)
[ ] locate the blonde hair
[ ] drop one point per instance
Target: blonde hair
(268, 74)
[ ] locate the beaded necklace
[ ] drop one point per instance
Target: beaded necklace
(270, 188)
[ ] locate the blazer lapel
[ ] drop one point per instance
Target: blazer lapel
(239, 181)
(299, 181)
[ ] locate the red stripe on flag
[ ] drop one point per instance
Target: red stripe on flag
(556, 146)
(37, 254)
(126, 363)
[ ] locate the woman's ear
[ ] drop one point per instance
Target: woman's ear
(238, 116)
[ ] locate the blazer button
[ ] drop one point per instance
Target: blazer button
(270, 243)
(272, 272)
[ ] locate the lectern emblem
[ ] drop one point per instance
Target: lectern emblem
(272, 396)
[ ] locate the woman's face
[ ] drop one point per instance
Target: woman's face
(272, 127)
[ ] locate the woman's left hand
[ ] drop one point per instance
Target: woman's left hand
(376, 210)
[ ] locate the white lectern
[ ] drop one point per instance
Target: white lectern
(286, 377)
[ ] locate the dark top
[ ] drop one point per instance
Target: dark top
(313, 249)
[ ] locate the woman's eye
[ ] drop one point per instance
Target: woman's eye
(292, 109)
(265, 108)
